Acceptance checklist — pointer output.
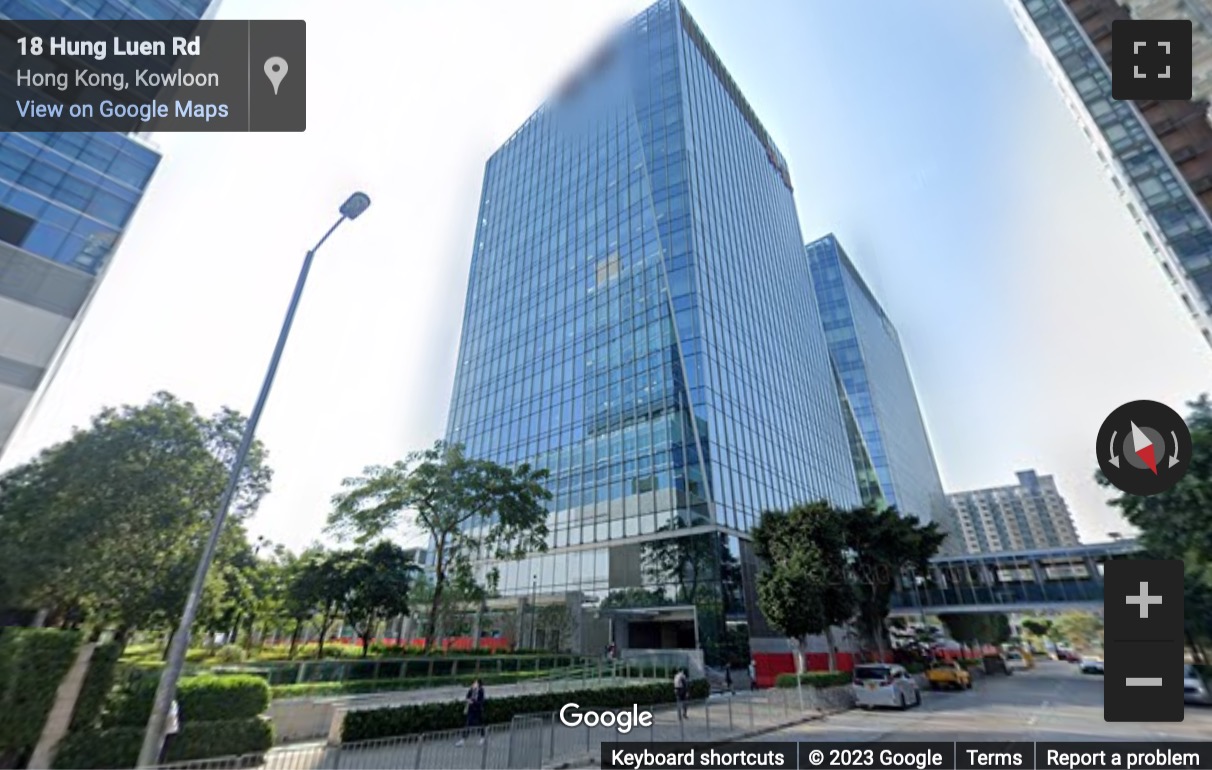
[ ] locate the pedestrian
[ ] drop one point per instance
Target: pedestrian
(728, 678)
(752, 675)
(172, 726)
(474, 709)
(681, 690)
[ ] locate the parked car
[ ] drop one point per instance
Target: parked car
(1067, 655)
(885, 685)
(1195, 689)
(943, 673)
(1091, 664)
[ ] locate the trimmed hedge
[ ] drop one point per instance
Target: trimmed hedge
(222, 739)
(199, 699)
(32, 663)
(119, 746)
(98, 683)
(815, 679)
(323, 689)
(428, 717)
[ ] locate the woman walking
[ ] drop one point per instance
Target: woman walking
(474, 709)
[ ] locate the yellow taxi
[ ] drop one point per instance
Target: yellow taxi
(949, 674)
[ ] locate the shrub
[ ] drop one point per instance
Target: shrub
(32, 663)
(815, 679)
(426, 717)
(119, 746)
(231, 653)
(87, 749)
(202, 740)
(199, 699)
(321, 689)
(98, 683)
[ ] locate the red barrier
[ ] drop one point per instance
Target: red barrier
(771, 664)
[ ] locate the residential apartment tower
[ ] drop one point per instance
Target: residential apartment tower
(1158, 154)
(1025, 516)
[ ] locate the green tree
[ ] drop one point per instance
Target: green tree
(1083, 630)
(978, 627)
(108, 524)
(1175, 524)
(471, 509)
(1037, 627)
(316, 590)
(299, 603)
(379, 579)
(884, 549)
(802, 588)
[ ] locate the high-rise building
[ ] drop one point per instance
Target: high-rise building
(1028, 515)
(65, 202)
(640, 321)
(1157, 153)
(894, 462)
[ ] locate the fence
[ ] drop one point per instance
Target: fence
(533, 741)
(310, 718)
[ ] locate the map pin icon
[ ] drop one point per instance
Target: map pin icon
(275, 70)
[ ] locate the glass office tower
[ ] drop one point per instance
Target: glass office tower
(893, 461)
(65, 201)
(639, 321)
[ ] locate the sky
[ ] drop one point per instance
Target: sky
(924, 134)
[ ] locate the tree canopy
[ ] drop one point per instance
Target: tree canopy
(108, 525)
(471, 509)
(803, 589)
(885, 548)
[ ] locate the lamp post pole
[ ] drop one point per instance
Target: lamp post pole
(166, 690)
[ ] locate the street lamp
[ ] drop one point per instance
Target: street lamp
(153, 740)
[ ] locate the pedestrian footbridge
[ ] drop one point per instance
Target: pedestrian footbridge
(1012, 581)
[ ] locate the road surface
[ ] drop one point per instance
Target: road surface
(1053, 702)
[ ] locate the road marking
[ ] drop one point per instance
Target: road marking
(1035, 717)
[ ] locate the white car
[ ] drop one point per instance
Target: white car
(877, 684)
(1091, 665)
(1195, 689)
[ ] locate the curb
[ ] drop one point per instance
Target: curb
(591, 760)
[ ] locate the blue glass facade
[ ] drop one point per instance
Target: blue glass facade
(65, 201)
(1176, 227)
(874, 378)
(636, 323)
(69, 196)
(77, 191)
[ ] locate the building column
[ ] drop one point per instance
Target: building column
(475, 626)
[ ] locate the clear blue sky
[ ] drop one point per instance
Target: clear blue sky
(923, 133)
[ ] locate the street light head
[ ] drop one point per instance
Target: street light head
(353, 207)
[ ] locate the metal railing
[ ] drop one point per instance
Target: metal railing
(304, 719)
(534, 741)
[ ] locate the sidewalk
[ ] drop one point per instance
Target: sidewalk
(301, 720)
(531, 742)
